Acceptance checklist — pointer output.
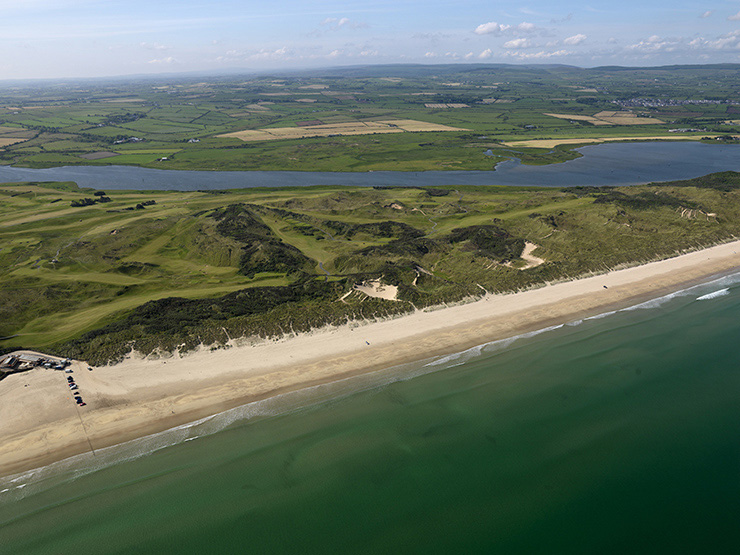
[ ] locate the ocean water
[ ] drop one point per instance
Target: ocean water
(617, 434)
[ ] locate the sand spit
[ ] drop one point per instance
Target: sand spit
(40, 423)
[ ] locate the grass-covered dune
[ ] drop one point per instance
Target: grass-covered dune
(94, 274)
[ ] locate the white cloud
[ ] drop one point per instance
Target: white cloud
(706, 14)
(163, 61)
(575, 39)
(279, 54)
(498, 29)
(542, 55)
(430, 55)
(525, 27)
(656, 44)
(335, 23)
(730, 41)
(518, 43)
(487, 53)
(153, 46)
(469, 56)
(491, 28)
(735, 17)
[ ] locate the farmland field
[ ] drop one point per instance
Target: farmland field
(327, 130)
(372, 118)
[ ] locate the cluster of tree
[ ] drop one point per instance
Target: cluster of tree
(90, 201)
(128, 117)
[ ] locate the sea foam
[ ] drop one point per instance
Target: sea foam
(714, 295)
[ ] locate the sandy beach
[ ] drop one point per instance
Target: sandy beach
(40, 423)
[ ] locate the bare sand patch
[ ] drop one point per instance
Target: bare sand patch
(305, 100)
(337, 129)
(378, 290)
(531, 260)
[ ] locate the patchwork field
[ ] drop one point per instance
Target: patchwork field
(449, 105)
(574, 117)
(610, 117)
(368, 118)
(7, 141)
(552, 143)
(339, 129)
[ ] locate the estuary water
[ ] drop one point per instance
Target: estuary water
(617, 434)
(605, 164)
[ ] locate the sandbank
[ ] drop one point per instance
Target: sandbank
(40, 423)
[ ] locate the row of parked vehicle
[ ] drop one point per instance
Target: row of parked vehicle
(73, 388)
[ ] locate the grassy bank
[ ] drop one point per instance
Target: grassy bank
(92, 274)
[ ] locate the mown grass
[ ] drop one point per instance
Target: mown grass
(66, 272)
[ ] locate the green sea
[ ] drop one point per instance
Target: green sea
(618, 434)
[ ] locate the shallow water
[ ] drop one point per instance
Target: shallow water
(605, 164)
(618, 434)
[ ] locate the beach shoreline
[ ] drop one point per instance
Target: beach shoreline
(40, 423)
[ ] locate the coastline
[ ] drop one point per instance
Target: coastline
(40, 423)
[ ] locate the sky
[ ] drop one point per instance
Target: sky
(97, 38)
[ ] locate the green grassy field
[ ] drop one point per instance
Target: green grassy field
(503, 104)
(166, 270)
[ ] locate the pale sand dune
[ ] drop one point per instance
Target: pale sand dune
(39, 422)
(378, 290)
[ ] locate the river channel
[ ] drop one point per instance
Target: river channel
(606, 164)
